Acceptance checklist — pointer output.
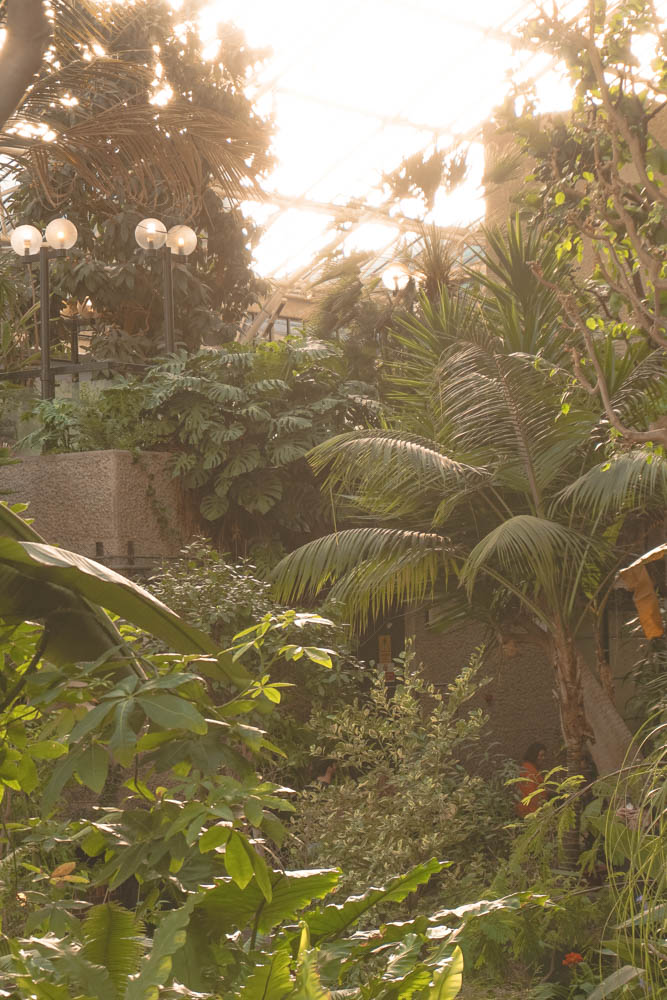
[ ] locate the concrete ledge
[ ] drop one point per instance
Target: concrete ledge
(113, 506)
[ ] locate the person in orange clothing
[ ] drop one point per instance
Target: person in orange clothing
(532, 779)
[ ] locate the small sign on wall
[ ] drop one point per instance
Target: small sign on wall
(384, 649)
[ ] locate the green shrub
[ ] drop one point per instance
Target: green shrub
(402, 792)
(226, 597)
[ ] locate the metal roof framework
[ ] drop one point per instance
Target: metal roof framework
(347, 215)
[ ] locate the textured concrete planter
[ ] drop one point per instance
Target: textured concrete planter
(121, 509)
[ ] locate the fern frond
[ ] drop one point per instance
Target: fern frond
(113, 939)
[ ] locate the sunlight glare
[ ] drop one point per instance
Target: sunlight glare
(357, 87)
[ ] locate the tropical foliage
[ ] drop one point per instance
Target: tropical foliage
(93, 103)
(239, 423)
(597, 178)
(489, 492)
(67, 593)
(163, 883)
(225, 598)
(149, 845)
(136, 73)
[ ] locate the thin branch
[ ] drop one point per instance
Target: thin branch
(592, 390)
(15, 691)
(566, 299)
(616, 116)
(642, 315)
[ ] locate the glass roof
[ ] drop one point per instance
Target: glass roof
(358, 86)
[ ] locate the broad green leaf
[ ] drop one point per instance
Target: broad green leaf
(336, 918)
(26, 774)
(270, 980)
(262, 873)
(649, 915)
(214, 837)
(48, 750)
(93, 844)
(308, 985)
(237, 860)
(81, 579)
(168, 939)
(192, 964)
(248, 459)
(123, 737)
(93, 979)
(13, 526)
(614, 982)
(60, 775)
(253, 810)
(228, 907)
(317, 655)
(261, 493)
(172, 712)
(93, 767)
(212, 506)
(447, 982)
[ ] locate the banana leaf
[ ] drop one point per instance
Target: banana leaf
(67, 592)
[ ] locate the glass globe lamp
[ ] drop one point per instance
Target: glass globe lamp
(26, 240)
(61, 234)
(151, 234)
(395, 278)
(181, 240)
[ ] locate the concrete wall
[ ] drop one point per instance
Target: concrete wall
(113, 506)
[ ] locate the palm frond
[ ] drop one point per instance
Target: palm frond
(421, 339)
(498, 410)
(132, 151)
(370, 553)
(637, 383)
(389, 474)
(435, 260)
(632, 481)
(517, 301)
(377, 587)
(541, 553)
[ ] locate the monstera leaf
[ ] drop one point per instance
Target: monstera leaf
(67, 593)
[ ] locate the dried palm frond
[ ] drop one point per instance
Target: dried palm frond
(123, 150)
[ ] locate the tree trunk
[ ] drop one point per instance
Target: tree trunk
(602, 653)
(28, 36)
(567, 669)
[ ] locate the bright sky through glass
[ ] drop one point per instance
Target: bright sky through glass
(347, 83)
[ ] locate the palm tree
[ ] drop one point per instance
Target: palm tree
(92, 108)
(487, 492)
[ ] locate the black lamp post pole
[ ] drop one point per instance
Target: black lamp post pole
(45, 323)
(168, 290)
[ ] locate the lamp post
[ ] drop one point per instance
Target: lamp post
(59, 237)
(26, 241)
(395, 278)
(153, 237)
